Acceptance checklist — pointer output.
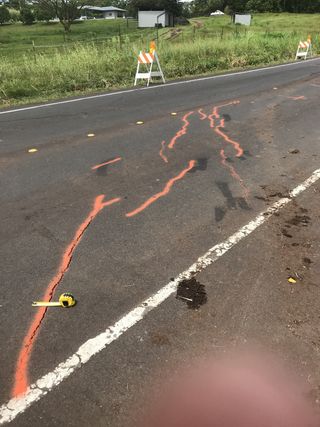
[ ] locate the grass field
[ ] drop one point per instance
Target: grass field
(17, 36)
(101, 54)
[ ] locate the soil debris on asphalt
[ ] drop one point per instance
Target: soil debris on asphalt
(192, 293)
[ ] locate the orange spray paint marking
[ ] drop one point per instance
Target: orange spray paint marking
(162, 193)
(215, 112)
(21, 374)
(212, 117)
(294, 98)
(163, 146)
(106, 163)
(203, 116)
(234, 174)
(182, 131)
(298, 98)
(236, 145)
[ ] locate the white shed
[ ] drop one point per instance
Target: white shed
(152, 18)
(242, 19)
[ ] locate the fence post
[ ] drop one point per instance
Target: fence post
(120, 40)
(34, 51)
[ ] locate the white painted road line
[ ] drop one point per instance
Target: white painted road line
(44, 385)
(123, 92)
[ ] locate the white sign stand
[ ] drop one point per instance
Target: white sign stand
(304, 50)
(148, 59)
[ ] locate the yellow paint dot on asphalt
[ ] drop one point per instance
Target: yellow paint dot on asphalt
(32, 150)
(292, 280)
(139, 123)
(173, 114)
(90, 135)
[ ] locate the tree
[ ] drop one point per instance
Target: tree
(200, 8)
(215, 5)
(264, 5)
(236, 5)
(67, 11)
(4, 15)
(26, 15)
(43, 14)
(16, 4)
(171, 6)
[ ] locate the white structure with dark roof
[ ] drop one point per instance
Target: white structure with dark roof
(153, 18)
(106, 12)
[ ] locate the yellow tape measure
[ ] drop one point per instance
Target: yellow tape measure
(65, 300)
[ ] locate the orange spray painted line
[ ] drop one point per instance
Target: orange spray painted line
(294, 98)
(234, 174)
(203, 116)
(109, 162)
(215, 113)
(181, 131)
(235, 144)
(217, 108)
(162, 193)
(21, 373)
(211, 119)
(163, 156)
(217, 129)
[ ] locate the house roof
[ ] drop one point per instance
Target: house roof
(104, 8)
(217, 12)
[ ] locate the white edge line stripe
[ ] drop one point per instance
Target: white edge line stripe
(123, 92)
(86, 351)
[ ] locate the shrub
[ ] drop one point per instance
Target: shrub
(27, 16)
(4, 15)
(14, 15)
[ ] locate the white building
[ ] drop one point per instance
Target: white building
(242, 19)
(153, 18)
(217, 13)
(106, 12)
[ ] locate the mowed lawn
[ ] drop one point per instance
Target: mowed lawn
(101, 54)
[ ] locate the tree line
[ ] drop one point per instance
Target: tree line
(204, 7)
(68, 10)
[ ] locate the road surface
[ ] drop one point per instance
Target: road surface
(114, 211)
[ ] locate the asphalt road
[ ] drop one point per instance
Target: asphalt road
(179, 184)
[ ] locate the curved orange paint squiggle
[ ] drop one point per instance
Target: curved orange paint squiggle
(234, 174)
(21, 374)
(181, 131)
(203, 116)
(217, 129)
(109, 162)
(216, 108)
(162, 193)
(236, 145)
(163, 146)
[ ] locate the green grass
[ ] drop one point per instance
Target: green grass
(209, 45)
(19, 36)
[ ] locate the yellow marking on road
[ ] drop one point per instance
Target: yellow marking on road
(32, 150)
